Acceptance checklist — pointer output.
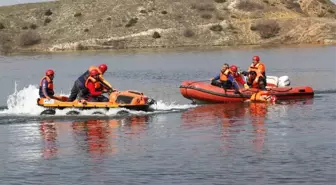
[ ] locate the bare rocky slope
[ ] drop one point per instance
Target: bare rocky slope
(117, 24)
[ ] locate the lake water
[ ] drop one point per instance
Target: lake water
(179, 143)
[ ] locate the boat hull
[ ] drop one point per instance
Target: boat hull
(201, 92)
(131, 100)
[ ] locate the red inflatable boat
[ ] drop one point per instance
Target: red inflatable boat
(201, 92)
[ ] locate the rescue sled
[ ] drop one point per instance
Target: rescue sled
(132, 100)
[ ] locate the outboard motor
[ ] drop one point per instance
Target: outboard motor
(272, 81)
(283, 81)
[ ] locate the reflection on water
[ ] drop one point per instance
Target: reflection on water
(49, 135)
(96, 137)
(258, 112)
(233, 119)
(236, 120)
(233, 125)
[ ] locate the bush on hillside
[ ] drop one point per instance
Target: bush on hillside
(188, 33)
(5, 44)
(29, 38)
(216, 28)
(131, 22)
(33, 26)
(48, 12)
(206, 16)
(78, 14)
(46, 21)
(220, 1)
(204, 7)
(249, 6)
(156, 35)
(290, 4)
(266, 29)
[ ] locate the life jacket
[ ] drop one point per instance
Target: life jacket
(97, 84)
(255, 83)
(86, 75)
(50, 87)
(223, 76)
(259, 68)
(263, 96)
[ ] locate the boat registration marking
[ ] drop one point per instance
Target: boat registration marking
(46, 101)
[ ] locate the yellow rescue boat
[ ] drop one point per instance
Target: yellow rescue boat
(132, 100)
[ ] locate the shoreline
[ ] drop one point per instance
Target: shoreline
(87, 26)
(170, 49)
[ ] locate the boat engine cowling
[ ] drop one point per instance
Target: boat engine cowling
(283, 81)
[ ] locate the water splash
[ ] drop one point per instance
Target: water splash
(23, 103)
(165, 106)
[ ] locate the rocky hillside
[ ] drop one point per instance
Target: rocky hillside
(116, 24)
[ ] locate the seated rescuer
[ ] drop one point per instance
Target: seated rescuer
(223, 78)
(94, 89)
(258, 67)
(46, 89)
(256, 80)
(80, 82)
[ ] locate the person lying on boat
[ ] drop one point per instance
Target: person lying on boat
(256, 80)
(256, 66)
(80, 82)
(46, 89)
(93, 89)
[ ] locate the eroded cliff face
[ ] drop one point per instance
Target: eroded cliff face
(116, 24)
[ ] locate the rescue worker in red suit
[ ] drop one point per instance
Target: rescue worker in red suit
(258, 67)
(79, 84)
(93, 89)
(256, 81)
(46, 89)
(237, 77)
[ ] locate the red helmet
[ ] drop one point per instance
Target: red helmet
(234, 68)
(50, 72)
(256, 58)
(102, 68)
(94, 72)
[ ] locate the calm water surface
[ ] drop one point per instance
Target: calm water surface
(180, 143)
